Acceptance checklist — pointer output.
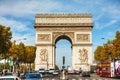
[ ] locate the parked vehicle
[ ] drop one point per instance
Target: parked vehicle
(71, 71)
(8, 74)
(9, 78)
(46, 71)
(56, 73)
(109, 69)
(77, 72)
(33, 76)
(51, 70)
(42, 70)
(85, 73)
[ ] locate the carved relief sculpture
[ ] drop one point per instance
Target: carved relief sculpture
(44, 54)
(83, 37)
(43, 37)
(83, 55)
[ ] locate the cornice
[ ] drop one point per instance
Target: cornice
(63, 16)
(44, 44)
(63, 24)
(85, 44)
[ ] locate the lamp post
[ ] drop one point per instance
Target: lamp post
(14, 65)
(110, 59)
(109, 44)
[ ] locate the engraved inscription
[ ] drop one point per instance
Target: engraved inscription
(83, 37)
(43, 37)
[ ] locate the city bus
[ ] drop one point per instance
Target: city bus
(103, 69)
(109, 69)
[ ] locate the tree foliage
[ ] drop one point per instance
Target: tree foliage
(5, 40)
(100, 54)
(25, 54)
(108, 51)
(30, 54)
(14, 50)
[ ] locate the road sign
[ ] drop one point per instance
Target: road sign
(11, 61)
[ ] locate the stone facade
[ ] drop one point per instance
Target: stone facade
(77, 28)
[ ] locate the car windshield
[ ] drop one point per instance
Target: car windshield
(86, 72)
(7, 79)
(41, 69)
(30, 75)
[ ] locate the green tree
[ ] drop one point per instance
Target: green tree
(56, 67)
(14, 50)
(21, 52)
(30, 54)
(100, 54)
(5, 40)
(116, 44)
(110, 50)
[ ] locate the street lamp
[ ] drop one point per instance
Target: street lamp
(109, 44)
(17, 56)
(110, 56)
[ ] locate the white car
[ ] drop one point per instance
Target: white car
(42, 70)
(9, 78)
(51, 70)
(71, 71)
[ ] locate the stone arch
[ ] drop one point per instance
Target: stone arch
(63, 37)
(66, 35)
(76, 28)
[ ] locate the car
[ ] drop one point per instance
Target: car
(71, 71)
(33, 76)
(46, 71)
(9, 78)
(8, 74)
(77, 72)
(51, 70)
(56, 73)
(42, 70)
(85, 73)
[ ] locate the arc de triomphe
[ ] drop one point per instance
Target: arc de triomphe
(77, 28)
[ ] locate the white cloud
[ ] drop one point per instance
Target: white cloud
(15, 25)
(100, 26)
(111, 23)
(19, 30)
(28, 7)
(30, 39)
(112, 11)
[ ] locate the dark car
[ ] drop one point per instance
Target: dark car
(86, 73)
(33, 76)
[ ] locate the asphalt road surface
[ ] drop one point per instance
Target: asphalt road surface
(76, 77)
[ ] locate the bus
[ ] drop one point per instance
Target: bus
(109, 69)
(103, 69)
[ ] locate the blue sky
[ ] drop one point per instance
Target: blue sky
(19, 15)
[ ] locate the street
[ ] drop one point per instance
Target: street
(77, 77)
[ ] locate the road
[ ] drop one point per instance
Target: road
(77, 77)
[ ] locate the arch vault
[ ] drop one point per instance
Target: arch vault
(77, 28)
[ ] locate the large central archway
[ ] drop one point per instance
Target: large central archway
(63, 47)
(77, 28)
